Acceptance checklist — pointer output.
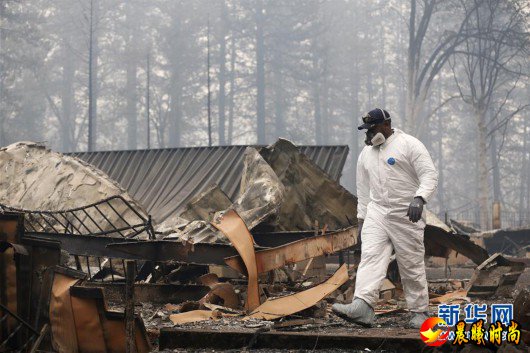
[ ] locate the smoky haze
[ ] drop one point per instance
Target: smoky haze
(106, 74)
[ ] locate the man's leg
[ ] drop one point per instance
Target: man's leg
(376, 250)
(375, 256)
(410, 255)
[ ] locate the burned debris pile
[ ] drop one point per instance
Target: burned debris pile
(84, 266)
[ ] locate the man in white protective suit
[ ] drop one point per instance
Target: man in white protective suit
(395, 178)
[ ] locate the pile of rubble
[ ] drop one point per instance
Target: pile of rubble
(85, 268)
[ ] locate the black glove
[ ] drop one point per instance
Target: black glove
(415, 209)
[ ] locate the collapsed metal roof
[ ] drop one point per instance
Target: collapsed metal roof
(164, 180)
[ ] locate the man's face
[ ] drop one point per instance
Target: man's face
(371, 132)
(376, 128)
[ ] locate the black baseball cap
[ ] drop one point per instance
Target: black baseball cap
(374, 117)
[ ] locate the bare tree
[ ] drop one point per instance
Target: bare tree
(489, 68)
(222, 74)
(131, 63)
(92, 73)
(260, 71)
(423, 65)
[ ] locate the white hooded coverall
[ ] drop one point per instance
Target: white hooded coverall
(389, 176)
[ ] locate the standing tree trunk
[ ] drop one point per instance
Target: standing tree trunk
(383, 68)
(175, 87)
(232, 89)
(523, 183)
(441, 181)
(317, 113)
(317, 110)
(92, 75)
(409, 107)
(132, 98)
(67, 90)
(324, 93)
(354, 76)
(484, 187)
(222, 76)
(326, 123)
(496, 172)
(175, 117)
(279, 100)
(260, 73)
(131, 81)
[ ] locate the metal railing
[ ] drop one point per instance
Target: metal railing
(16, 335)
(110, 217)
(509, 219)
(113, 217)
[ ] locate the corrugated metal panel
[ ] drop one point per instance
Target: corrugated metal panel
(164, 180)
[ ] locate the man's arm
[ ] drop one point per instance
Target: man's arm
(363, 188)
(425, 170)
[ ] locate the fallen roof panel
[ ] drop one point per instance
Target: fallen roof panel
(165, 180)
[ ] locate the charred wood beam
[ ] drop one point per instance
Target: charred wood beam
(167, 250)
(153, 293)
(83, 245)
(403, 341)
(436, 238)
(134, 249)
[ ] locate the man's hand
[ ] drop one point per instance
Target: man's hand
(415, 209)
(360, 222)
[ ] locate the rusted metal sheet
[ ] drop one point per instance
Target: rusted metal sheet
(64, 336)
(80, 321)
(10, 225)
(279, 238)
(192, 316)
(280, 307)
(233, 227)
(31, 269)
(300, 250)
(459, 295)
(221, 293)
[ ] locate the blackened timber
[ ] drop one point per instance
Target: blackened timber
(84, 245)
(153, 293)
(402, 341)
(134, 249)
(436, 238)
(167, 250)
(130, 275)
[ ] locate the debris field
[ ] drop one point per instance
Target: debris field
(87, 267)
